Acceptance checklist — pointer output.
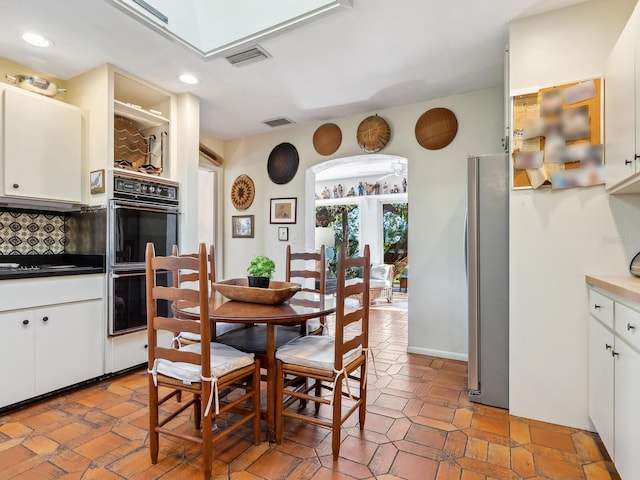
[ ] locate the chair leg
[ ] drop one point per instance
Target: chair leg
(153, 421)
(318, 394)
(197, 411)
(279, 400)
(256, 403)
(207, 435)
(336, 420)
(362, 410)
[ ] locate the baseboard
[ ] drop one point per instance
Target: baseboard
(438, 353)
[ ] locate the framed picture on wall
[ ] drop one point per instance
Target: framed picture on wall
(96, 179)
(283, 210)
(242, 226)
(283, 234)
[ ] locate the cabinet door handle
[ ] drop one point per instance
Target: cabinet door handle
(25, 322)
(45, 319)
(636, 156)
(15, 185)
(614, 353)
(596, 306)
(627, 162)
(607, 346)
(630, 327)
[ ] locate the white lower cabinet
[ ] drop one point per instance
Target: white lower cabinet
(614, 388)
(50, 345)
(627, 411)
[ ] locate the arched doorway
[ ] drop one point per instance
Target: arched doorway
(376, 186)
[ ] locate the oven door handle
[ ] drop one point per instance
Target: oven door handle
(122, 275)
(117, 206)
(136, 274)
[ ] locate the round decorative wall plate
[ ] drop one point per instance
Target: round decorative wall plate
(283, 163)
(373, 134)
(242, 192)
(436, 128)
(327, 139)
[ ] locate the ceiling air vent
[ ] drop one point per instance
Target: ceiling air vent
(278, 122)
(251, 55)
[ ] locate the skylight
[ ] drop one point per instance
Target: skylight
(213, 28)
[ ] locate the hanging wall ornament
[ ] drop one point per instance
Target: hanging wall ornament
(373, 134)
(436, 128)
(327, 139)
(242, 192)
(283, 163)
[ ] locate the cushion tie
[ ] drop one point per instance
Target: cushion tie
(214, 382)
(176, 340)
(340, 373)
(154, 372)
(373, 360)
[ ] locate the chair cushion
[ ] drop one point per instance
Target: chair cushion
(224, 359)
(314, 352)
(379, 283)
(379, 272)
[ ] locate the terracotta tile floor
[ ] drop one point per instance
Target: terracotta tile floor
(419, 426)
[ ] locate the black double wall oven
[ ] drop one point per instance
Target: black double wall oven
(141, 211)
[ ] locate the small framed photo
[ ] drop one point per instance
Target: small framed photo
(96, 179)
(283, 210)
(242, 226)
(283, 234)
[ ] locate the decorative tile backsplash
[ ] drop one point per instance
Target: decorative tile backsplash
(24, 233)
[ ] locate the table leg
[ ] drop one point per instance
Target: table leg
(271, 379)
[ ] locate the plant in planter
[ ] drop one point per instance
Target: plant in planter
(260, 270)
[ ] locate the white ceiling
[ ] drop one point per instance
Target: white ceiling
(377, 54)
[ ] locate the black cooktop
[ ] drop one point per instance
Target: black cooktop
(34, 266)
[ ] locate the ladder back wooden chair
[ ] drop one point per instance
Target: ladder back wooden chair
(206, 370)
(312, 280)
(184, 278)
(333, 363)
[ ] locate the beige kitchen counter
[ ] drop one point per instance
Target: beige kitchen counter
(623, 286)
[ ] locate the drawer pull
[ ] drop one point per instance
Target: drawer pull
(25, 322)
(45, 319)
(607, 346)
(15, 185)
(630, 327)
(596, 306)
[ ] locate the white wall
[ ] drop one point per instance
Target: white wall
(556, 237)
(437, 200)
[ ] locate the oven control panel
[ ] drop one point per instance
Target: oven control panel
(145, 190)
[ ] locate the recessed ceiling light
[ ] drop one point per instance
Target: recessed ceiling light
(190, 79)
(36, 40)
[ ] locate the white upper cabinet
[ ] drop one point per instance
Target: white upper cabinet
(41, 148)
(622, 104)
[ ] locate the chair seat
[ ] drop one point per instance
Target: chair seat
(379, 283)
(253, 339)
(314, 352)
(224, 359)
(221, 328)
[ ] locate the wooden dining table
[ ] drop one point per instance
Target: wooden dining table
(301, 307)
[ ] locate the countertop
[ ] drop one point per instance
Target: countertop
(50, 265)
(623, 286)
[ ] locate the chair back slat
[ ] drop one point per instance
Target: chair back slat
(346, 339)
(297, 268)
(173, 324)
(189, 264)
(176, 355)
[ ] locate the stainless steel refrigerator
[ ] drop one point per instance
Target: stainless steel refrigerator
(487, 254)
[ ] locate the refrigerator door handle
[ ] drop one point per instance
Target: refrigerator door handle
(471, 253)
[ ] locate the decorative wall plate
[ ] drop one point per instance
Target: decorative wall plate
(283, 163)
(436, 128)
(373, 134)
(242, 192)
(327, 139)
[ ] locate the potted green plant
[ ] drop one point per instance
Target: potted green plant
(260, 270)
